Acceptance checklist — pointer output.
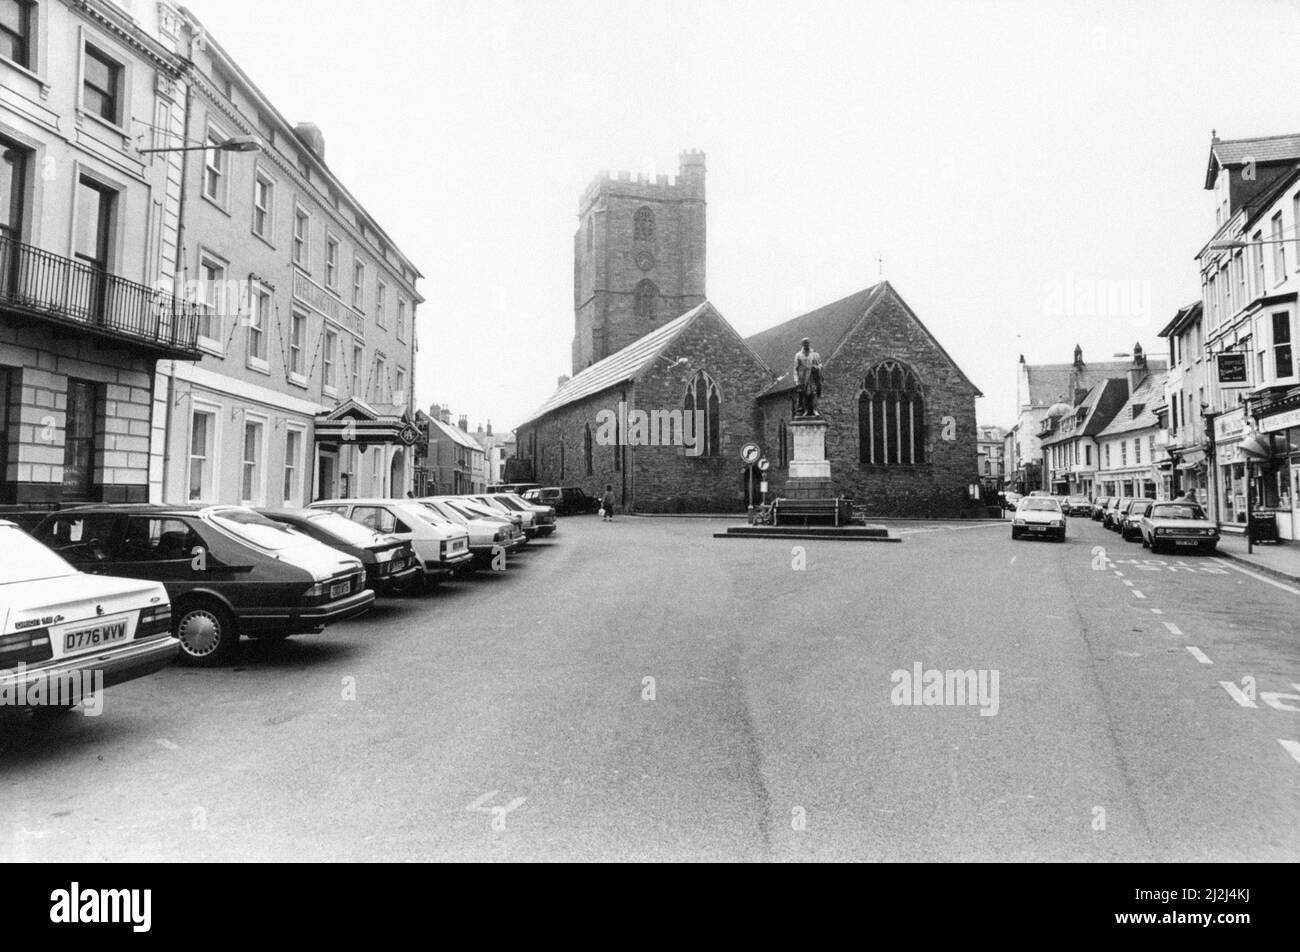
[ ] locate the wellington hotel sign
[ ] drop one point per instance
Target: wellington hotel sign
(318, 299)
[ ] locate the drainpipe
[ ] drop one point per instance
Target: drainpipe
(169, 414)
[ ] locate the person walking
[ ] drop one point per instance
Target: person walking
(607, 504)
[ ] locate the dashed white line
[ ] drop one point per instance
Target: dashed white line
(1199, 655)
(1119, 574)
(1291, 747)
(1173, 629)
(164, 742)
(1157, 611)
(1128, 583)
(1237, 694)
(1136, 593)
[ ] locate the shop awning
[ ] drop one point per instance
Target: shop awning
(1192, 459)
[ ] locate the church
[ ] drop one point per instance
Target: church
(648, 346)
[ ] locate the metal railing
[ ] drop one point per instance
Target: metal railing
(34, 281)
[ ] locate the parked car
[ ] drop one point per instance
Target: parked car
(513, 487)
(228, 570)
(1128, 521)
(487, 535)
(565, 500)
(1077, 506)
(1040, 493)
(1099, 507)
(543, 516)
(59, 627)
(1114, 512)
(526, 516)
(441, 545)
(391, 564)
(499, 511)
(1181, 524)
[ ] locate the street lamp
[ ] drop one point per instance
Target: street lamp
(233, 144)
(1235, 244)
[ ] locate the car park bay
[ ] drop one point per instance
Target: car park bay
(528, 699)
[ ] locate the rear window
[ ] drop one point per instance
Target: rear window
(23, 559)
(345, 529)
(1040, 504)
(255, 528)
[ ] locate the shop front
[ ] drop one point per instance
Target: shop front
(1279, 472)
(1230, 469)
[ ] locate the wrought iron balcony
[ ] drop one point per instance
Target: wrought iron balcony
(37, 284)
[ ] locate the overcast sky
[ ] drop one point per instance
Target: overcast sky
(1007, 159)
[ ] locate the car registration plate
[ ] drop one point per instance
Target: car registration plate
(339, 589)
(1187, 542)
(86, 638)
(1038, 528)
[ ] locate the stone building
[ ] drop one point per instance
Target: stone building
(638, 257)
(87, 250)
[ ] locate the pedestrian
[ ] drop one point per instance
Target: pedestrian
(607, 504)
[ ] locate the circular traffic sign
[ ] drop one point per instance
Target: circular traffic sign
(764, 465)
(750, 453)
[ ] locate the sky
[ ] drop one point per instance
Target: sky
(1031, 173)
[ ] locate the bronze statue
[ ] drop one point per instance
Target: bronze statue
(808, 379)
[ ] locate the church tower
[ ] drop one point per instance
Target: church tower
(638, 257)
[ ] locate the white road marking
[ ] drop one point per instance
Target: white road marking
(1137, 594)
(1237, 694)
(1173, 629)
(1119, 574)
(1199, 655)
(1128, 583)
(163, 742)
(1263, 578)
(1013, 560)
(1157, 611)
(1291, 747)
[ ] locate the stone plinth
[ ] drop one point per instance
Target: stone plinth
(810, 471)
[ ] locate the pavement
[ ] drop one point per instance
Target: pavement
(1279, 559)
(638, 690)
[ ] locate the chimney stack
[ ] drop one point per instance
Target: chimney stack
(309, 134)
(464, 423)
(561, 381)
(1138, 372)
(489, 428)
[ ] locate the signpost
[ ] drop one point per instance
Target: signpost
(749, 454)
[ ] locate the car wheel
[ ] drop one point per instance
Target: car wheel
(206, 632)
(1015, 534)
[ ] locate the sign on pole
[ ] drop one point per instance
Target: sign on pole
(750, 453)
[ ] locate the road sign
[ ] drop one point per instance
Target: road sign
(750, 453)
(764, 465)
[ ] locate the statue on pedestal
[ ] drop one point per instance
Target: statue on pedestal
(808, 379)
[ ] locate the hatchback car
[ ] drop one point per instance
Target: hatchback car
(1077, 506)
(543, 518)
(1128, 520)
(64, 634)
(1038, 517)
(1099, 507)
(391, 564)
(1180, 524)
(1115, 510)
(228, 570)
(487, 535)
(441, 545)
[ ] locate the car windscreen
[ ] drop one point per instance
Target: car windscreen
(1039, 504)
(511, 502)
(1181, 511)
(255, 528)
(430, 512)
(465, 509)
(353, 533)
(23, 559)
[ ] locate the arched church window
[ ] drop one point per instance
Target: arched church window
(646, 299)
(702, 394)
(643, 224)
(891, 416)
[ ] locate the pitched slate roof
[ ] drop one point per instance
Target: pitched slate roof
(828, 327)
(1149, 394)
(1053, 383)
(455, 434)
(619, 366)
(1264, 149)
(1187, 314)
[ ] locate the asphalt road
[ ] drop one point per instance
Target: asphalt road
(511, 716)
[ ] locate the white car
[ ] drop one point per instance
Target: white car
(442, 546)
(486, 534)
(1040, 517)
(543, 516)
(64, 635)
(524, 520)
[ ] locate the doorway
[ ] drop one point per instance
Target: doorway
(79, 442)
(327, 466)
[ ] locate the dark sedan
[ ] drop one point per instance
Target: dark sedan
(391, 564)
(1129, 527)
